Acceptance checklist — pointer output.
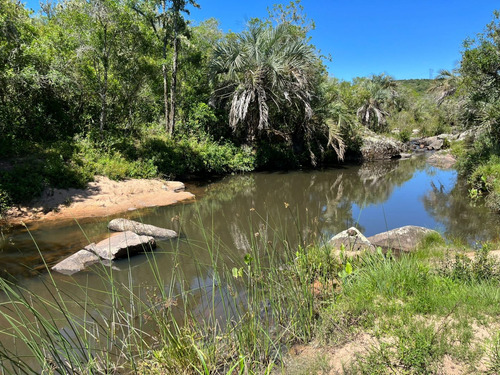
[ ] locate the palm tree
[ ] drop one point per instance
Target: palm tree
(263, 71)
(379, 94)
(445, 85)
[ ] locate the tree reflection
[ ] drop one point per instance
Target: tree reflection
(461, 218)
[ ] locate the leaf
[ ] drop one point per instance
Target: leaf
(348, 268)
(248, 259)
(237, 272)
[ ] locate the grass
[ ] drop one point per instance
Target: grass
(417, 309)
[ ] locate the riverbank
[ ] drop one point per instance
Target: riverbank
(102, 197)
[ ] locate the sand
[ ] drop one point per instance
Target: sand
(103, 197)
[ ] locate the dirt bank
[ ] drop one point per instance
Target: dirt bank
(103, 197)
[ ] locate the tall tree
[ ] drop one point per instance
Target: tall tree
(168, 24)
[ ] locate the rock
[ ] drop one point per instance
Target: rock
(404, 239)
(405, 156)
(436, 145)
(466, 134)
(122, 245)
(450, 137)
(76, 262)
(377, 147)
(442, 160)
(175, 186)
(353, 241)
(122, 225)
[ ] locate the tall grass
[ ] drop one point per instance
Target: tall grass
(245, 311)
(241, 318)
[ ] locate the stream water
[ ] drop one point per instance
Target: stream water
(232, 214)
(313, 204)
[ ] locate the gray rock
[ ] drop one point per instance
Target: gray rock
(436, 145)
(122, 225)
(404, 239)
(122, 245)
(76, 262)
(424, 142)
(450, 137)
(352, 240)
(377, 147)
(405, 156)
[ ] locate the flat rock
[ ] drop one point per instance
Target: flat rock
(122, 225)
(352, 240)
(76, 262)
(404, 239)
(122, 245)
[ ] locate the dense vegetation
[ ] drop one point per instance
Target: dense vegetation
(132, 89)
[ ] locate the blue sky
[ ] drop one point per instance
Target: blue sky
(406, 39)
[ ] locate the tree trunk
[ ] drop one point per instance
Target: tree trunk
(104, 87)
(164, 69)
(165, 96)
(173, 85)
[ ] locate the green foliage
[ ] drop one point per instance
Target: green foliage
(316, 263)
(5, 201)
(481, 268)
(189, 156)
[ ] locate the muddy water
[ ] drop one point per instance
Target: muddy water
(238, 212)
(302, 206)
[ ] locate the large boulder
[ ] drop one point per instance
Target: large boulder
(378, 147)
(76, 262)
(122, 225)
(404, 239)
(352, 240)
(122, 245)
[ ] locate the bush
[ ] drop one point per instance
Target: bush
(189, 156)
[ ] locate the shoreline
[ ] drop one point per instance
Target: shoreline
(102, 197)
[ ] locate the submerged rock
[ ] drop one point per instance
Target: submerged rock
(76, 262)
(442, 160)
(352, 240)
(404, 239)
(120, 245)
(122, 225)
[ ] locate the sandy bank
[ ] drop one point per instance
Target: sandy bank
(103, 197)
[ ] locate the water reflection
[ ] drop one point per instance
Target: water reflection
(268, 208)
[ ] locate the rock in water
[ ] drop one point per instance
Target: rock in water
(121, 225)
(403, 239)
(122, 245)
(76, 262)
(444, 161)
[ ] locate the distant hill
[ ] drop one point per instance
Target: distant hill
(420, 86)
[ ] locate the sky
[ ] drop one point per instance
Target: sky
(405, 39)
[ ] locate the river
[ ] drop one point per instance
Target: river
(237, 212)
